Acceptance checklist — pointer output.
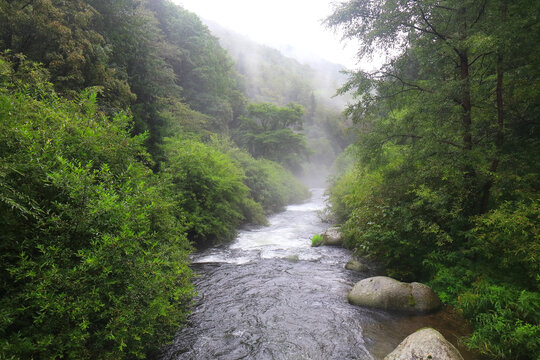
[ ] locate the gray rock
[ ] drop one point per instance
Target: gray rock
(355, 265)
(389, 294)
(425, 344)
(332, 237)
(293, 257)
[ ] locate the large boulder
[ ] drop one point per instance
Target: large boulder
(355, 265)
(332, 237)
(425, 344)
(386, 293)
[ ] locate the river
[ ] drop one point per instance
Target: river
(270, 295)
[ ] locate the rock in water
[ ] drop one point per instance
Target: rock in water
(332, 237)
(355, 265)
(425, 344)
(386, 293)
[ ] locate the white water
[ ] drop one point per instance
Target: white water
(270, 295)
(288, 236)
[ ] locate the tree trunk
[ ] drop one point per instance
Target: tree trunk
(499, 141)
(465, 82)
(466, 100)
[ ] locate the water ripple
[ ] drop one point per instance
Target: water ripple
(269, 295)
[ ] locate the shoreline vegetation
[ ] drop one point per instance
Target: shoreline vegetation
(95, 244)
(442, 184)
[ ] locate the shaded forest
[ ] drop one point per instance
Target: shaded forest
(444, 182)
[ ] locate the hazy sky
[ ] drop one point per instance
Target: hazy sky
(279, 23)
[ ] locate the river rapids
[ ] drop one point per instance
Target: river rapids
(270, 295)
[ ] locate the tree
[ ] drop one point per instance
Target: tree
(202, 67)
(268, 131)
(449, 54)
(63, 36)
(447, 150)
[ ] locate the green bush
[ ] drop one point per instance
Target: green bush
(220, 187)
(378, 222)
(316, 240)
(93, 255)
(209, 187)
(505, 317)
(270, 184)
(506, 320)
(486, 265)
(509, 235)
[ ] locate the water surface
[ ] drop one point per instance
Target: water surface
(270, 295)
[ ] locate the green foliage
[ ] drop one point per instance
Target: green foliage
(268, 131)
(93, 254)
(273, 77)
(445, 186)
(509, 235)
(151, 56)
(202, 67)
(316, 240)
(270, 184)
(209, 187)
(220, 186)
(94, 248)
(505, 317)
(506, 320)
(62, 35)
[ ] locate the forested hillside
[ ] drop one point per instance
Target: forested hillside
(446, 181)
(269, 76)
(127, 139)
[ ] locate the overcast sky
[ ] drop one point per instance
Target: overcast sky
(279, 23)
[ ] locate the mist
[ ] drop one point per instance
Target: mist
(269, 75)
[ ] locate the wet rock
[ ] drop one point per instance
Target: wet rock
(355, 265)
(293, 257)
(425, 344)
(332, 237)
(386, 293)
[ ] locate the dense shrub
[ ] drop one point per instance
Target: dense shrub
(93, 256)
(209, 186)
(486, 266)
(270, 184)
(505, 316)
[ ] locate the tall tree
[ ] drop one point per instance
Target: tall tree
(201, 66)
(445, 56)
(449, 155)
(272, 132)
(63, 36)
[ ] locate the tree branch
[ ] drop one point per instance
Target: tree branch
(480, 56)
(480, 13)
(424, 17)
(442, 141)
(418, 87)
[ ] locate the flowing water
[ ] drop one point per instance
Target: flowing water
(270, 295)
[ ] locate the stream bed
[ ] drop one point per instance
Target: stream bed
(270, 295)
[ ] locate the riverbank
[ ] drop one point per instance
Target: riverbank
(270, 295)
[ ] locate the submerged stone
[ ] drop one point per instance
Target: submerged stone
(293, 257)
(355, 265)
